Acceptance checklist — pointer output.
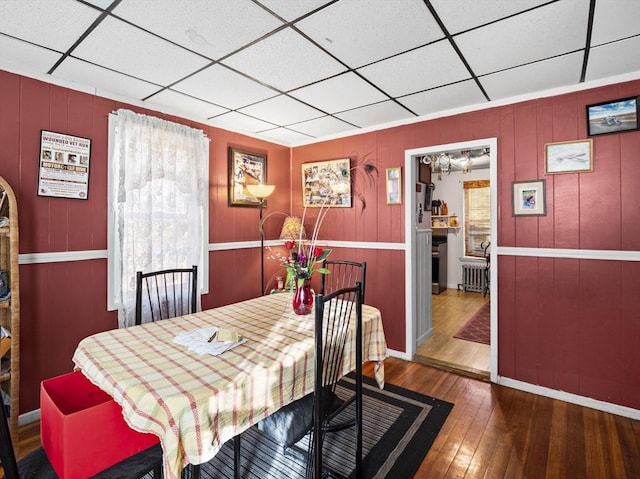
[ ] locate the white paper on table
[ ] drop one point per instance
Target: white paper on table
(198, 341)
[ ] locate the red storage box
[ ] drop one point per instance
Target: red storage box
(82, 428)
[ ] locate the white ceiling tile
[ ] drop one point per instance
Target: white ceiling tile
(223, 87)
(271, 60)
(183, 105)
(340, 93)
(56, 25)
(552, 73)
(461, 15)
(380, 113)
(614, 59)
(396, 44)
(320, 127)
(555, 29)
(285, 136)
(614, 20)
(359, 32)
(444, 98)
(235, 121)
(291, 10)
(211, 27)
(152, 59)
(107, 81)
(282, 110)
(427, 67)
(22, 56)
(100, 3)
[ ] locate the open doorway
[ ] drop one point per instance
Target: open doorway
(447, 162)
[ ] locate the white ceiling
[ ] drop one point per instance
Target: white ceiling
(295, 71)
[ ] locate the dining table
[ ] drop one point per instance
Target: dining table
(196, 402)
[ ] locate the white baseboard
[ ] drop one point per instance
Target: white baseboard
(571, 398)
(29, 417)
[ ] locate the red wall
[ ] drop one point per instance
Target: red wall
(63, 302)
(565, 324)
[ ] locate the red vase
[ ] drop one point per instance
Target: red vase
(303, 298)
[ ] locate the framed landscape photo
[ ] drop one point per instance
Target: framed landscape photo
(245, 168)
(327, 184)
(568, 157)
(529, 198)
(612, 116)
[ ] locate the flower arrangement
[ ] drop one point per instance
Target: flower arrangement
(304, 257)
(301, 264)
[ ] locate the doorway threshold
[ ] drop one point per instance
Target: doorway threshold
(453, 368)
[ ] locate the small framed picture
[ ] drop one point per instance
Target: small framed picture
(245, 168)
(394, 186)
(568, 157)
(612, 116)
(529, 198)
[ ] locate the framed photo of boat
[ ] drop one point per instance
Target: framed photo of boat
(245, 168)
(568, 157)
(612, 116)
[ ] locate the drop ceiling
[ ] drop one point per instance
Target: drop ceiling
(298, 71)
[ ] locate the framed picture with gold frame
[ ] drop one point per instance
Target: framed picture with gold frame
(394, 185)
(568, 157)
(245, 168)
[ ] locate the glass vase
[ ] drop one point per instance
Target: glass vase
(303, 298)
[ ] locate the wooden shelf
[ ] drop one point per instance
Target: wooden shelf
(449, 221)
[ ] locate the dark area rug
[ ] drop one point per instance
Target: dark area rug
(478, 328)
(399, 427)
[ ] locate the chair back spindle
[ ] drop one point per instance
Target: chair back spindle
(344, 274)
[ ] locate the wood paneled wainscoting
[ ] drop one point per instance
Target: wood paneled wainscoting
(498, 432)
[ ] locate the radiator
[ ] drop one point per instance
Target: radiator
(473, 278)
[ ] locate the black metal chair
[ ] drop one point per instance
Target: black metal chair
(166, 294)
(312, 414)
(344, 274)
(36, 465)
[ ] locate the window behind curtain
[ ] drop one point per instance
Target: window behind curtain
(158, 203)
(477, 216)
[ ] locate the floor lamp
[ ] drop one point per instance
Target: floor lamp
(262, 192)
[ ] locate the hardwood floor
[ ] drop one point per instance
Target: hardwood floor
(497, 432)
(451, 309)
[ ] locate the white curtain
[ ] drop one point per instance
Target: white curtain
(159, 196)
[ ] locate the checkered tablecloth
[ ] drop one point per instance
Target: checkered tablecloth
(195, 403)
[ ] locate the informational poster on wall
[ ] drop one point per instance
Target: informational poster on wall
(64, 165)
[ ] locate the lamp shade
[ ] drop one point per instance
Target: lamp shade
(293, 229)
(260, 191)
